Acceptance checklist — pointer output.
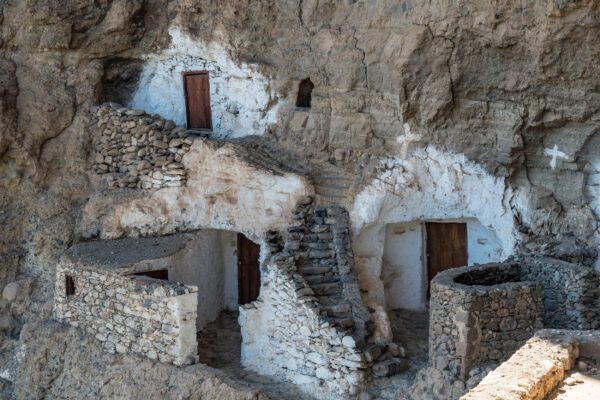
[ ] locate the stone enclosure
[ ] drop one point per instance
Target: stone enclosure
(127, 313)
(484, 313)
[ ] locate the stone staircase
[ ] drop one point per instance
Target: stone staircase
(317, 237)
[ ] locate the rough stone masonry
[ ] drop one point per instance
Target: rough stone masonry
(126, 313)
(136, 150)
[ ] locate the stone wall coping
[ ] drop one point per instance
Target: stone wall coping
(528, 260)
(150, 286)
(121, 255)
(538, 366)
(445, 279)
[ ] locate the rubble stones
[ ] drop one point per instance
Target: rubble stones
(139, 151)
(7, 323)
(389, 367)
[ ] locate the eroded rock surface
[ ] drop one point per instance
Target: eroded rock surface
(511, 89)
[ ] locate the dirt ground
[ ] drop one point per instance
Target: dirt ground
(219, 346)
(585, 387)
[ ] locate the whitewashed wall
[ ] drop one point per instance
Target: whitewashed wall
(241, 100)
(403, 272)
(483, 244)
(404, 265)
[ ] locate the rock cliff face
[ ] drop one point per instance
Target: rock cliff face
(511, 88)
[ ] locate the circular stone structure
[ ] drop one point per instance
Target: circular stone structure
(481, 314)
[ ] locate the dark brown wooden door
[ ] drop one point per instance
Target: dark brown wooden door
(197, 100)
(446, 247)
(248, 253)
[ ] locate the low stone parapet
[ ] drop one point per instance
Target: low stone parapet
(128, 313)
(538, 367)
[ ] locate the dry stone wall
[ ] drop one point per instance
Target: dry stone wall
(485, 317)
(285, 335)
(537, 368)
(570, 292)
(137, 150)
(129, 313)
(309, 325)
(503, 298)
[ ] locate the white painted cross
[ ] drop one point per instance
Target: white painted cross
(555, 153)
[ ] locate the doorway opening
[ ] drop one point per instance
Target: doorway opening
(196, 89)
(220, 340)
(415, 251)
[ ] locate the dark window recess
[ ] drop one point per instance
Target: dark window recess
(304, 93)
(70, 285)
(162, 274)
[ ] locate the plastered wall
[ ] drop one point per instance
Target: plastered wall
(404, 266)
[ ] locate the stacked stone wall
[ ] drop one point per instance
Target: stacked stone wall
(474, 324)
(285, 335)
(136, 150)
(570, 292)
(309, 325)
(130, 313)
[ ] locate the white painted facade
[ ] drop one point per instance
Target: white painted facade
(209, 262)
(425, 184)
(483, 245)
(404, 266)
(241, 101)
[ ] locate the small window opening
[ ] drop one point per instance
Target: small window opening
(162, 274)
(305, 93)
(70, 285)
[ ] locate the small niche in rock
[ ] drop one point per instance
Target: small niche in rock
(305, 89)
(493, 275)
(121, 76)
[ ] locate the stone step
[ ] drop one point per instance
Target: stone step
(315, 270)
(319, 279)
(339, 308)
(329, 288)
(332, 178)
(344, 322)
(331, 300)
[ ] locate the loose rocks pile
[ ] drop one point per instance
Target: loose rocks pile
(137, 150)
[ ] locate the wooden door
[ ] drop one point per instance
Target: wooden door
(446, 247)
(248, 253)
(197, 100)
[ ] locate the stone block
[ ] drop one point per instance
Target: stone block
(389, 367)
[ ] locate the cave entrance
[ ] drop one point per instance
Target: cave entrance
(415, 251)
(197, 100)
